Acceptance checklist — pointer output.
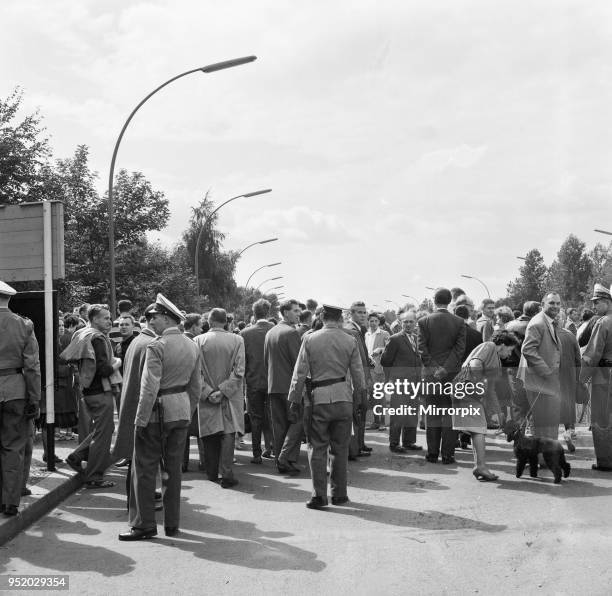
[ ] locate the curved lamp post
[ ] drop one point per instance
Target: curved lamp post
(254, 243)
(479, 281)
(411, 297)
(393, 302)
(430, 288)
(267, 280)
(196, 259)
(272, 290)
(111, 222)
(521, 258)
(603, 232)
(246, 285)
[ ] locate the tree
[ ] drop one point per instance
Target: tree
(24, 152)
(601, 263)
(531, 283)
(571, 271)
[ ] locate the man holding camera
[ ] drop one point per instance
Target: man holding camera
(19, 397)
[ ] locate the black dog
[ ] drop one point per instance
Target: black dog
(526, 450)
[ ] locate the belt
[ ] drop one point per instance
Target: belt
(327, 382)
(171, 390)
(5, 372)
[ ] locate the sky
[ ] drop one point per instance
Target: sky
(407, 143)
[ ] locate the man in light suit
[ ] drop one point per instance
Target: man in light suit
(539, 368)
(401, 360)
(256, 376)
(376, 339)
(441, 346)
(221, 404)
(281, 348)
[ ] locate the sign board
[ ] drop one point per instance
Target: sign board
(21, 241)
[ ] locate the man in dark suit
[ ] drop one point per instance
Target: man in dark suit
(401, 360)
(281, 348)
(356, 326)
(472, 337)
(256, 376)
(441, 346)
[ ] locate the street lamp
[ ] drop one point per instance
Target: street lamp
(430, 288)
(111, 221)
(197, 247)
(480, 281)
(521, 258)
(254, 243)
(604, 232)
(260, 268)
(272, 290)
(267, 280)
(411, 297)
(393, 302)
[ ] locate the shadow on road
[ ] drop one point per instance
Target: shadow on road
(243, 543)
(64, 556)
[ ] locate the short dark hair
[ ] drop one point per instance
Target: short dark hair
(571, 310)
(261, 308)
(373, 313)
(456, 292)
(486, 302)
(71, 320)
(305, 316)
(531, 308)
(83, 309)
(587, 314)
(311, 304)
(506, 338)
(442, 296)
(302, 305)
(287, 305)
(217, 315)
(94, 310)
(191, 320)
(124, 305)
(127, 315)
(517, 313)
(241, 325)
(462, 311)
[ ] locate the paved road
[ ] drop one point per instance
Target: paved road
(412, 527)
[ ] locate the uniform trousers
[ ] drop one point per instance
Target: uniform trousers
(257, 401)
(439, 428)
(27, 453)
(145, 463)
(287, 436)
(95, 448)
(330, 430)
(13, 437)
(601, 404)
(546, 412)
(219, 455)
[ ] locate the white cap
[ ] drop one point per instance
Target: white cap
(6, 290)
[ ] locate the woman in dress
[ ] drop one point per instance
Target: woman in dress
(484, 366)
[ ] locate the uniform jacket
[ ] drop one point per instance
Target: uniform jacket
(133, 365)
(172, 360)
(281, 349)
(441, 342)
(254, 337)
(569, 371)
(19, 349)
(598, 348)
(329, 353)
(540, 358)
(222, 369)
(353, 329)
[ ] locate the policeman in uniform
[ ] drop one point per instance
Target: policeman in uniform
(19, 397)
(597, 366)
(169, 392)
(327, 356)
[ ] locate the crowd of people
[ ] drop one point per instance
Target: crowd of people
(308, 376)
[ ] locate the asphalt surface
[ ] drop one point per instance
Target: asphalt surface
(411, 527)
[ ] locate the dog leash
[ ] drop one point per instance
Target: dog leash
(524, 423)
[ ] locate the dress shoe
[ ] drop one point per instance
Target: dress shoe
(228, 482)
(74, 463)
(267, 454)
(122, 463)
(352, 458)
(448, 460)
(374, 426)
(317, 503)
(293, 467)
(363, 453)
(484, 476)
(137, 534)
(339, 500)
(366, 448)
(432, 459)
(287, 470)
(57, 460)
(412, 447)
(26, 492)
(11, 510)
(397, 449)
(171, 530)
(601, 468)
(256, 459)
